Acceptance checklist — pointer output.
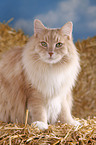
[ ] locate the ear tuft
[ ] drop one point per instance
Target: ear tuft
(67, 29)
(38, 27)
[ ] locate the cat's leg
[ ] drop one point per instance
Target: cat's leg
(37, 110)
(65, 115)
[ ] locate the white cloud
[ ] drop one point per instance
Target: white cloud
(80, 12)
(66, 11)
(25, 25)
(91, 10)
(92, 25)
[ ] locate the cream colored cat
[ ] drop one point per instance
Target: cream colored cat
(40, 77)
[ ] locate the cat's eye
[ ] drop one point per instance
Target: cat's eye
(58, 45)
(44, 44)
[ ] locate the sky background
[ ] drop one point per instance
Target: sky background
(53, 13)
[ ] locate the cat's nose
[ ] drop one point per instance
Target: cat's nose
(50, 53)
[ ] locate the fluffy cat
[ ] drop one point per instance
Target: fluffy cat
(40, 77)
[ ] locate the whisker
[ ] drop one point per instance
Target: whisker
(64, 61)
(37, 60)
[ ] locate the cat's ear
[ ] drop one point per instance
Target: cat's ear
(38, 27)
(67, 29)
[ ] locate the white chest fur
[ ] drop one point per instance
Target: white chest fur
(48, 81)
(53, 109)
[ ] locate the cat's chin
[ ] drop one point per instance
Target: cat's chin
(51, 61)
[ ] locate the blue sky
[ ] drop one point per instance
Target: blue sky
(53, 13)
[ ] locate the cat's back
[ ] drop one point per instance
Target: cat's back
(10, 62)
(12, 86)
(11, 56)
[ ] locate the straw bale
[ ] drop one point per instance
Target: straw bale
(84, 101)
(85, 90)
(9, 38)
(58, 134)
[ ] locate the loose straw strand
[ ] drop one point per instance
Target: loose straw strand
(26, 119)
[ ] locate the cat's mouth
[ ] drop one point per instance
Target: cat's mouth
(52, 60)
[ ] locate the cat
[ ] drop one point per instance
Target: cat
(40, 77)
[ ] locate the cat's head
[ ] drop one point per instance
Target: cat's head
(52, 45)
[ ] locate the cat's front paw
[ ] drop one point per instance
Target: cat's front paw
(75, 123)
(41, 125)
